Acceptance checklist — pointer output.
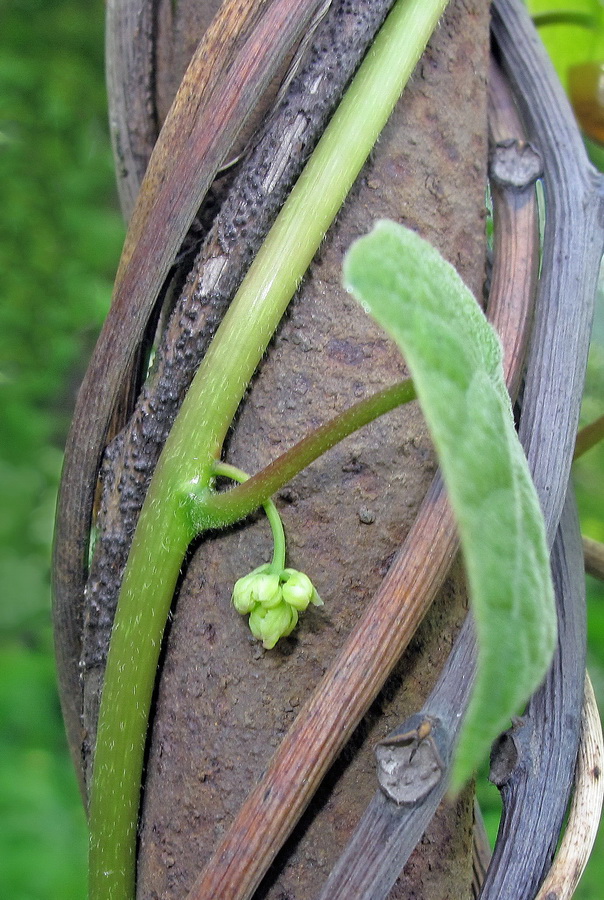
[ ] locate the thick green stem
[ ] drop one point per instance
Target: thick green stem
(165, 529)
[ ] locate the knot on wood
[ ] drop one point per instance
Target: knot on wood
(509, 750)
(515, 164)
(409, 761)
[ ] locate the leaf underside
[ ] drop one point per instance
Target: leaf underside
(454, 357)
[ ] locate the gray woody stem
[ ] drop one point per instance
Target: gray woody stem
(536, 780)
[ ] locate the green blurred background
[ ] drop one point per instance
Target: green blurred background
(60, 239)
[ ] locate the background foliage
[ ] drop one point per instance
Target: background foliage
(60, 238)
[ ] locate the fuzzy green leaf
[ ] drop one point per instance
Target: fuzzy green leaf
(454, 357)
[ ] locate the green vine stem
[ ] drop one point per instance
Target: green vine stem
(589, 436)
(228, 507)
(593, 553)
(565, 17)
(274, 519)
(165, 528)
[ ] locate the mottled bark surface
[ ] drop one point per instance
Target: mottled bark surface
(223, 703)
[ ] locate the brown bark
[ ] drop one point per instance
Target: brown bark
(223, 703)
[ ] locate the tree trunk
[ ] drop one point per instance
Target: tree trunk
(223, 703)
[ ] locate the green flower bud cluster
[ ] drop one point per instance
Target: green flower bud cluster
(273, 600)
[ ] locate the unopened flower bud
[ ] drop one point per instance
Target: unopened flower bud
(273, 600)
(243, 598)
(259, 586)
(297, 589)
(266, 589)
(270, 624)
